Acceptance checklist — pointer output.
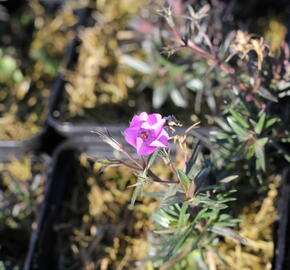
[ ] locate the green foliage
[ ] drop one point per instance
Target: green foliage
(191, 226)
(185, 181)
(248, 134)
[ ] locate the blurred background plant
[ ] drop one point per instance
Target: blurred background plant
(177, 76)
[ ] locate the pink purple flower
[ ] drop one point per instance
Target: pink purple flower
(146, 133)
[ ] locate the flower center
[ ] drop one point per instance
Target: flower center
(144, 135)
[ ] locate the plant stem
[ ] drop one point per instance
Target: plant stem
(132, 159)
(164, 181)
(130, 166)
(196, 49)
(144, 161)
(173, 169)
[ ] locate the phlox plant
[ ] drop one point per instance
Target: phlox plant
(192, 214)
(252, 140)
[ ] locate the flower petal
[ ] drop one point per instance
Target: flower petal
(157, 127)
(131, 134)
(162, 140)
(143, 148)
(146, 133)
(143, 116)
(154, 118)
(136, 122)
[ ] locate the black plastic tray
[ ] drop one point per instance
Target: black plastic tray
(70, 128)
(9, 149)
(69, 139)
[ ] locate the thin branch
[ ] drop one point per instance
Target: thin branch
(121, 162)
(164, 181)
(132, 159)
(173, 169)
(196, 49)
(144, 161)
(193, 157)
(177, 258)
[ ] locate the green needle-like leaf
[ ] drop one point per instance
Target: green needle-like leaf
(259, 127)
(184, 179)
(151, 160)
(260, 152)
(239, 118)
(229, 233)
(228, 179)
(136, 64)
(271, 122)
(241, 132)
(138, 190)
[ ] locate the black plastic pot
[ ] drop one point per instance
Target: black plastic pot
(282, 235)
(41, 244)
(19, 236)
(58, 97)
(9, 149)
(70, 129)
(47, 139)
(41, 253)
